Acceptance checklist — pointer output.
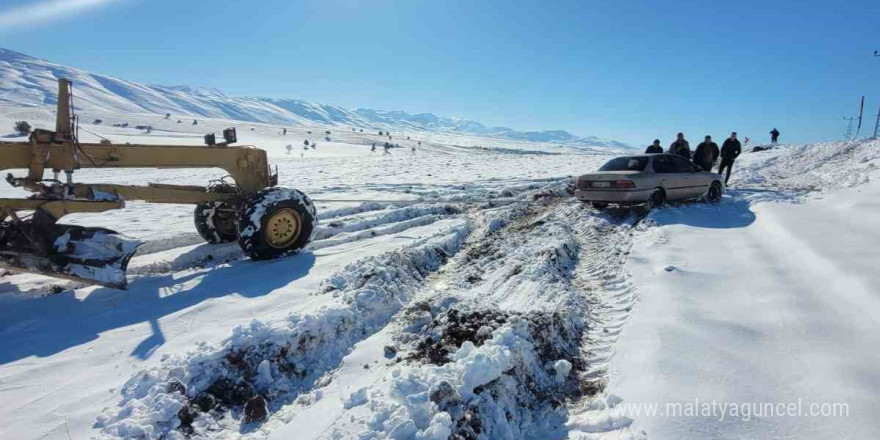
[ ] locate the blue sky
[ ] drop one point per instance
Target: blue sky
(628, 70)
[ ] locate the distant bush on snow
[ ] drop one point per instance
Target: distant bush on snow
(22, 128)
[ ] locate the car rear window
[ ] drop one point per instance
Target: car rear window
(625, 164)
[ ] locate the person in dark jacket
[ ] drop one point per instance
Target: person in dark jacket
(706, 154)
(654, 148)
(774, 136)
(681, 147)
(730, 150)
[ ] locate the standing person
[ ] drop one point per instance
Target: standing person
(706, 154)
(654, 148)
(730, 150)
(681, 147)
(373, 149)
(284, 132)
(774, 136)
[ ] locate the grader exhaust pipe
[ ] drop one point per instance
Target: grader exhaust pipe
(267, 221)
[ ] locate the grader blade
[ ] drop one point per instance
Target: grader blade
(89, 255)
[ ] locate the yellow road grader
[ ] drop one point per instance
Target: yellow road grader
(266, 220)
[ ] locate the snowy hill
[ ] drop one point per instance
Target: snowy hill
(420, 311)
(29, 81)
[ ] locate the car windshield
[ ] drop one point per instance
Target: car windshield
(625, 164)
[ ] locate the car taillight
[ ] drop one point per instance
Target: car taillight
(623, 184)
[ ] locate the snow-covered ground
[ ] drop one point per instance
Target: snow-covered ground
(775, 303)
(67, 357)
(770, 298)
(459, 291)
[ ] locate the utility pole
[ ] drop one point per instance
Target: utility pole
(877, 124)
(861, 113)
(849, 128)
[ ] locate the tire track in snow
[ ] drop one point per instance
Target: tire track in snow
(391, 228)
(336, 226)
(361, 223)
(500, 344)
(348, 229)
(603, 276)
(264, 366)
(327, 214)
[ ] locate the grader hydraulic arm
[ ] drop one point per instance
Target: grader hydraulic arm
(39, 244)
(248, 167)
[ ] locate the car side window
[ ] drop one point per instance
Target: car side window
(681, 165)
(663, 164)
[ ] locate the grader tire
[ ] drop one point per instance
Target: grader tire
(276, 222)
(215, 222)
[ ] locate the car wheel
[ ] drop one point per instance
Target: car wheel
(657, 199)
(599, 205)
(713, 195)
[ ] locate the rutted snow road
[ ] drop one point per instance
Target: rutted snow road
(75, 347)
(494, 311)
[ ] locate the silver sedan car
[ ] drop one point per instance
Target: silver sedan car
(650, 179)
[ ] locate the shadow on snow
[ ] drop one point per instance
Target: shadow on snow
(731, 212)
(45, 326)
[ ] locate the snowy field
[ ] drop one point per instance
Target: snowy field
(459, 291)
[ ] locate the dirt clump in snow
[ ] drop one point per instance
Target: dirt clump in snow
(256, 409)
(490, 370)
(467, 424)
(450, 329)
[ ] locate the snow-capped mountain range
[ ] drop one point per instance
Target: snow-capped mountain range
(28, 81)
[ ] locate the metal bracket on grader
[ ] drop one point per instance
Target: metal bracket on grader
(267, 221)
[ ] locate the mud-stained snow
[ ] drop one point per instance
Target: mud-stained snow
(274, 361)
(496, 345)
